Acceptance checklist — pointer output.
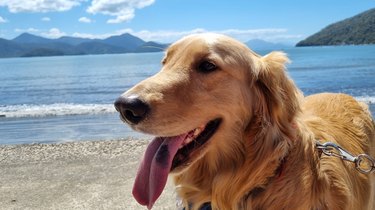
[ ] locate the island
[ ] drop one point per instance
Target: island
(357, 30)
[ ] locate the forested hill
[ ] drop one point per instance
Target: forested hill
(28, 45)
(356, 30)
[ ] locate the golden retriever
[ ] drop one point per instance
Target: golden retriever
(236, 133)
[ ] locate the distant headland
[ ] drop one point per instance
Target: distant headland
(29, 45)
(357, 30)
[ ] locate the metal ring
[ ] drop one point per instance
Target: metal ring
(364, 163)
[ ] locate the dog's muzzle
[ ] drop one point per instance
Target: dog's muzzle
(132, 109)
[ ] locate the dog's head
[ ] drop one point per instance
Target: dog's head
(210, 91)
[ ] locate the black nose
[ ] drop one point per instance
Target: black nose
(132, 109)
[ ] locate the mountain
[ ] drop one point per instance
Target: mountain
(73, 40)
(94, 47)
(126, 41)
(356, 30)
(9, 48)
(258, 44)
(42, 52)
(26, 45)
(63, 47)
(27, 38)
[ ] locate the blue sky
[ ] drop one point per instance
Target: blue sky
(286, 21)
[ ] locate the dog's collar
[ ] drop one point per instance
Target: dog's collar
(256, 190)
(205, 206)
(278, 173)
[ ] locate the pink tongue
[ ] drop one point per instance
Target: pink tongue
(153, 172)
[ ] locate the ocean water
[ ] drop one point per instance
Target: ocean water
(70, 98)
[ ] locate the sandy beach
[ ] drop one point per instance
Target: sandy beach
(74, 175)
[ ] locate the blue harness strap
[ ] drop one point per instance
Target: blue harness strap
(205, 206)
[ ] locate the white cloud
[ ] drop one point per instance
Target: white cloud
(84, 35)
(268, 34)
(122, 10)
(122, 18)
(46, 19)
(53, 33)
(16, 6)
(29, 30)
(168, 36)
(3, 20)
(84, 20)
(102, 36)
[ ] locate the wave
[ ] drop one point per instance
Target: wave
(62, 109)
(366, 99)
(57, 109)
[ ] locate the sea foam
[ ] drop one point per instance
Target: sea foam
(61, 109)
(366, 99)
(57, 109)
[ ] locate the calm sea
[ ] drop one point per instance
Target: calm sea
(54, 99)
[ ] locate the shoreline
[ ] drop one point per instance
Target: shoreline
(74, 175)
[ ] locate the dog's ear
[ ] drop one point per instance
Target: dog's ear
(277, 96)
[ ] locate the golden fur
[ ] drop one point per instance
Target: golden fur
(267, 125)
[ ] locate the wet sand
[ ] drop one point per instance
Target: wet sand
(74, 175)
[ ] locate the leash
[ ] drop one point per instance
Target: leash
(363, 163)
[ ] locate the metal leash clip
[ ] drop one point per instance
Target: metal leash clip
(363, 162)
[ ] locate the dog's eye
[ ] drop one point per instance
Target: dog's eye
(206, 67)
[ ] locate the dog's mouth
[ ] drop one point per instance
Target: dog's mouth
(195, 140)
(166, 154)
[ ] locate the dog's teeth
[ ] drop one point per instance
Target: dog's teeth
(197, 131)
(189, 139)
(191, 136)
